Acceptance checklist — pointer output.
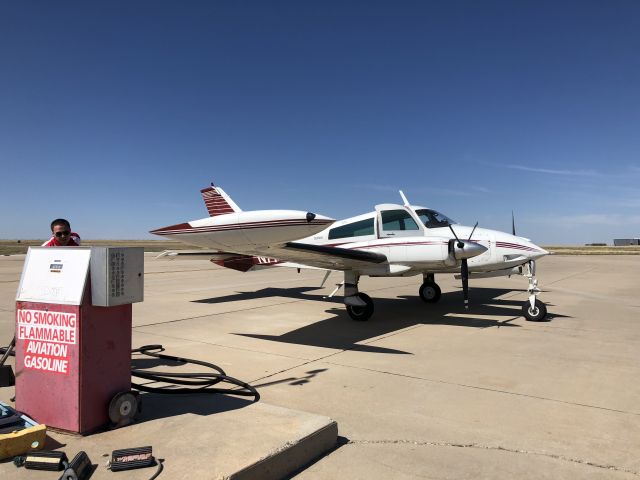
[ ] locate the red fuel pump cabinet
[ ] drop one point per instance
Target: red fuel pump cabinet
(71, 360)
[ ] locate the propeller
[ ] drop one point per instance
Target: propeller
(513, 232)
(474, 229)
(464, 267)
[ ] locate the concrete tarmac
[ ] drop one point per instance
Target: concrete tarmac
(420, 390)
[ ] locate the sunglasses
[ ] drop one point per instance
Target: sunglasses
(63, 234)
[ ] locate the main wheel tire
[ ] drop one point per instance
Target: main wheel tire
(535, 314)
(430, 292)
(361, 314)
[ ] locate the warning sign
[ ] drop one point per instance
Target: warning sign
(47, 337)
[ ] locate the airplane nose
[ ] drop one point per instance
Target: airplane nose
(541, 252)
(468, 250)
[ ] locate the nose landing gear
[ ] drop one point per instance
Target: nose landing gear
(533, 309)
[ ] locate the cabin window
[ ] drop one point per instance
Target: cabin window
(355, 229)
(433, 219)
(398, 220)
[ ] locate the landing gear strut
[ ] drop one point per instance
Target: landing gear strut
(533, 309)
(429, 291)
(359, 305)
(361, 313)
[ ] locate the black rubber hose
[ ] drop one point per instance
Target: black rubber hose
(159, 470)
(7, 351)
(202, 382)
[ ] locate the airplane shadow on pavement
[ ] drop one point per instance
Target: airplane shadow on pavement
(390, 315)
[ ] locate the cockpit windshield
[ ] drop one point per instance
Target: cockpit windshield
(433, 219)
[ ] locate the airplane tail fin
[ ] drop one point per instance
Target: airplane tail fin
(217, 201)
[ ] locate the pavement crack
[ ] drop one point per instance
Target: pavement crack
(501, 448)
(220, 345)
(574, 274)
(488, 389)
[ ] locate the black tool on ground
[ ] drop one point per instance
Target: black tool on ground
(130, 458)
(193, 382)
(10, 421)
(7, 378)
(80, 468)
(42, 460)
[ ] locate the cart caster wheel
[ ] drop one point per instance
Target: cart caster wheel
(124, 408)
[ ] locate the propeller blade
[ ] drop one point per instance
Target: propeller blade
(513, 224)
(460, 244)
(474, 229)
(464, 271)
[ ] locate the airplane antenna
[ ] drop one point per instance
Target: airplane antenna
(404, 199)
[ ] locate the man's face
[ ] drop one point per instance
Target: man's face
(62, 234)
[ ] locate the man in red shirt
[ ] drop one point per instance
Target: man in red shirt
(62, 236)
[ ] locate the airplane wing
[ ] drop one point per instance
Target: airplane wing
(188, 254)
(331, 258)
(291, 254)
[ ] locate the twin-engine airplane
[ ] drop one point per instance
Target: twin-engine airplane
(393, 241)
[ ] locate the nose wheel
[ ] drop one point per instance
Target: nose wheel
(537, 313)
(533, 309)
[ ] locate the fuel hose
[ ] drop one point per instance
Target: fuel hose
(190, 382)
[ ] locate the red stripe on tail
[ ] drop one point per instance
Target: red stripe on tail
(216, 203)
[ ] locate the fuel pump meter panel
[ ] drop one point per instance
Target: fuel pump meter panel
(117, 275)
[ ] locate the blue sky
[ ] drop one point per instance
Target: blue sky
(114, 114)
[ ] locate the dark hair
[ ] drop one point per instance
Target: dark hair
(60, 221)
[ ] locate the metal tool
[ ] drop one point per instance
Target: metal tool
(130, 458)
(80, 468)
(44, 460)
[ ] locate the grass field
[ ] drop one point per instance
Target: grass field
(13, 247)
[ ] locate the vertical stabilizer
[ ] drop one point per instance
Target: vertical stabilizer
(217, 201)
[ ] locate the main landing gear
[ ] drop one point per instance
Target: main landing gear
(429, 290)
(533, 309)
(359, 305)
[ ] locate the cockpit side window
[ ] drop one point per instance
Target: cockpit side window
(355, 229)
(433, 219)
(398, 220)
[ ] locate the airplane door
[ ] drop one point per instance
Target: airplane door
(396, 221)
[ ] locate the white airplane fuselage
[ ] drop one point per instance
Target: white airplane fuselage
(409, 252)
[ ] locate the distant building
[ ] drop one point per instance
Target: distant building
(623, 242)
